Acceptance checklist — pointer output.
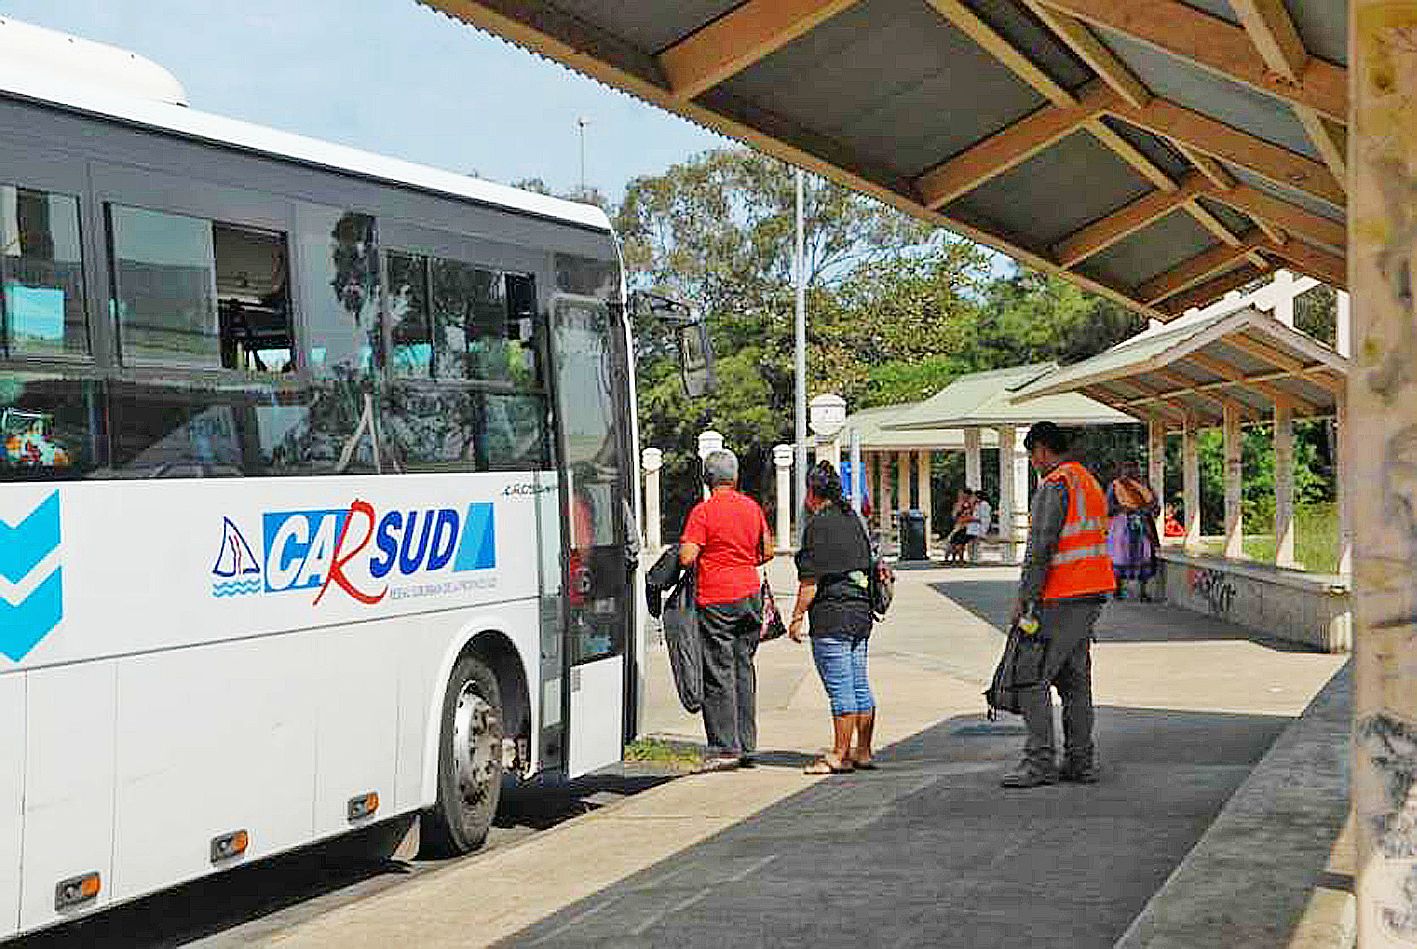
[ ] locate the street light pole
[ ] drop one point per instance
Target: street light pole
(800, 368)
(581, 123)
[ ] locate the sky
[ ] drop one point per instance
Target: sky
(392, 77)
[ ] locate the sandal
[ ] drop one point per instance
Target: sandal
(823, 765)
(868, 765)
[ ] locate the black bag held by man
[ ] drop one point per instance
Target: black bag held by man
(681, 639)
(1020, 667)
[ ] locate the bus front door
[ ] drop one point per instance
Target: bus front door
(591, 404)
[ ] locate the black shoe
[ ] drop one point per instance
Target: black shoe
(1029, 775)
(747, 761)
(1080, 772)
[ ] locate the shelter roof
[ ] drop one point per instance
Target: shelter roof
(986, 399)
(1160, 152)
(874, 437)
(1243, 358)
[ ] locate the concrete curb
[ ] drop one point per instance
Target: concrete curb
(1276, 867)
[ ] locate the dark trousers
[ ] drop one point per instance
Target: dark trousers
(1067, 666)
(730, 637)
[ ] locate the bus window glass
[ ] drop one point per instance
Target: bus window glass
(164, 288)
(432, 428)
(179, 430)
(253, 299)
(340, 277)
(516, 432)
(41, 275)
(50, 427)
(411, 336)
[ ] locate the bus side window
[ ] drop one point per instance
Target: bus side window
(41, 275)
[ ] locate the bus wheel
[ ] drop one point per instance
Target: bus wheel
(469, 760)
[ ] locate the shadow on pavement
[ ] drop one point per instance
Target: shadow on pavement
(930, 851)
(1123, 621)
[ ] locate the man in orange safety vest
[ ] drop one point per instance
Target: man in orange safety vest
(1067, 576)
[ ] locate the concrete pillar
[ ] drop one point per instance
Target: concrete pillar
(922, 474)
(1344, 498)
(1343, 326)
(973, 458)
(1191, 484)
(1234, 483)
(709, 442)
(1012, 513)
(1284, 297)
(902, 481)
(829, 449)
(651, 460)
(782, 458)
(1381, 474)
(1156, 469)
(884, 500)
(1283, 485)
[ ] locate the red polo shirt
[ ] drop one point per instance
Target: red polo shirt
(729, 528)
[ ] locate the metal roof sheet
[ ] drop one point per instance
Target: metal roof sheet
(869, 424)
(986, 399)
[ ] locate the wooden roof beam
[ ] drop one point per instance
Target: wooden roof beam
(1266, 354)
(1008, 148)
(736, 40)
(1104, 232)
(1319, 264)
(1182, 30)
(1195, 270)
(1330, 140)
(1211, 290)
(1263, 386)
(1280, 213)
(1092, 51)
(1225, 142)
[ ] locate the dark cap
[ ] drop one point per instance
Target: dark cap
(1049, 435)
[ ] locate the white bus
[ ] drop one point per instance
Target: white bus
(317, 496)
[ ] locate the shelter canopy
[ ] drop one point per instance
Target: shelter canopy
(870, 426)
(1156, 151)
(988, 400)
(1194, 368)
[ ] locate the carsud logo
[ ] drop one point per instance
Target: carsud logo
(32, 594)
(356, 550)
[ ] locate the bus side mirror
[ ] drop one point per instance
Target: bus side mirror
(696, 360)
(695, 348)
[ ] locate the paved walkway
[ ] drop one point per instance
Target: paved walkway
(926, 851)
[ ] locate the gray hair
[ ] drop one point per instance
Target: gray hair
(720, 467)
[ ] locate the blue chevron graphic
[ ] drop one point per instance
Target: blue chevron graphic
(23, 625)
(23, 546)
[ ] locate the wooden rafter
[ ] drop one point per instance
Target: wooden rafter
(1330, 140)
(1212, 289)
(1008, 148)
(1266, 354)
(1195, 270)
(1292, 218)
(1094, 53)
(1319, 264)
(1212, 43)
(1219, 140)
(738, 39)
(1264, 387)
(995, 44)
(1104, 232)
(1217, 227)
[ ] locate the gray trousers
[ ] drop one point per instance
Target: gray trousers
(730, 636)
(1067, 666)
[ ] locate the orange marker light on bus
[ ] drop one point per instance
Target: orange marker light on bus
(363, 806)
(76, 890)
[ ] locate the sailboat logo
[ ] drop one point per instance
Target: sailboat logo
(236, 571)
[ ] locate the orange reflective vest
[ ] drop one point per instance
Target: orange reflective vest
(1080, 566)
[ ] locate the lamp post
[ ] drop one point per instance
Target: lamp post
(651, 460)
(709, 442)
(827, 415)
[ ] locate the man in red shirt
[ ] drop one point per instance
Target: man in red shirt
(727, 537)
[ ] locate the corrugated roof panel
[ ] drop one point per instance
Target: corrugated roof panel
(1036, 40)
(1151, 251)
(1057, 191)
(649, 24)
(1232, 219)
(940, 94)
(1162, 153)
(1205, 92)
(1301, 198)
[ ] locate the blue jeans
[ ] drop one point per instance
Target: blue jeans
(841, 662)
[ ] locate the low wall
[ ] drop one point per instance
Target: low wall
(1312, 609)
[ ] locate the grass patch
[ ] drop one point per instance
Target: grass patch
(1315, 540)
(661, 752)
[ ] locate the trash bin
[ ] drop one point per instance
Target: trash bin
(912, 535)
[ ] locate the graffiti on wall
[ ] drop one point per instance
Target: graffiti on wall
(1215, 587)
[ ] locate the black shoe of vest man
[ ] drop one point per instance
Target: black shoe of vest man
(1080, 772)
(1029, 775)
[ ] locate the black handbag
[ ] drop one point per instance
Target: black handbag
(772, 625)
(1020, 667)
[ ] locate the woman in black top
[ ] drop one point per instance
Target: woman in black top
(833, 589)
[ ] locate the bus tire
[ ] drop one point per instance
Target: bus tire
(469, 760)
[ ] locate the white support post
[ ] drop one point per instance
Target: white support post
(884, 502)
(1283, 288)
(1156, 469)
(651, 460)
(1284, 485)
(1191, 484)
(709, 442)
(1343, 326)
(1012, 515)
(902, 481)
(829, 449)
(1234, 483)
(973, 458)
(782, 458)
(922, 476)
